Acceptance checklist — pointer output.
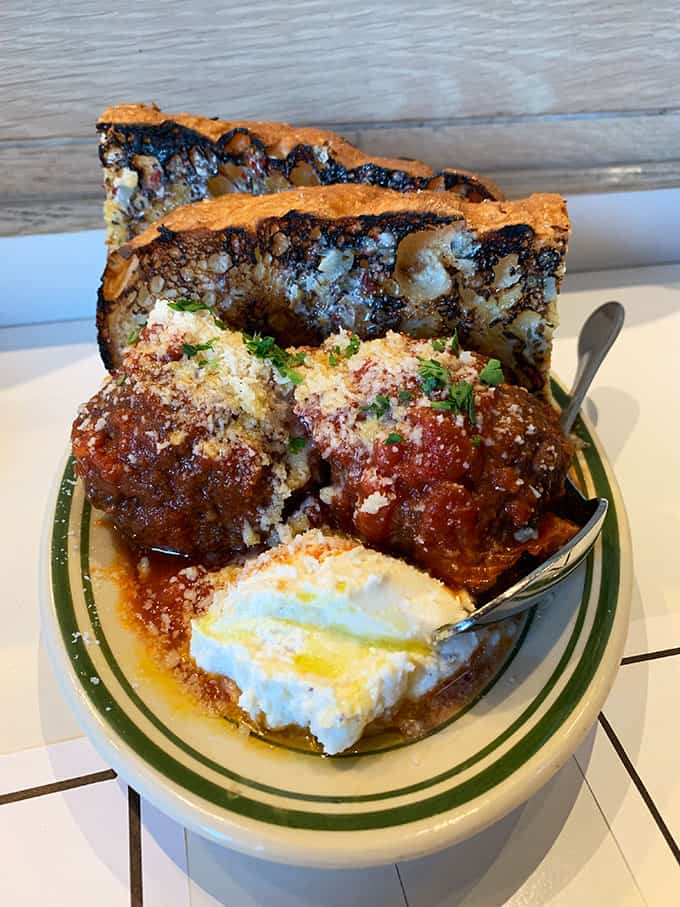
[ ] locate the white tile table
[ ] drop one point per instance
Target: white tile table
(605, 830)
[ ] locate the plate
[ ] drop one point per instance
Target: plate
(367, 809)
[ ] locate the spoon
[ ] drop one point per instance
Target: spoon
(595, 340)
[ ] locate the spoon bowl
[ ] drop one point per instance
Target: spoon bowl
(532, 588)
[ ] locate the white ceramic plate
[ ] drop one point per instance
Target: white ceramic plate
(360, 810)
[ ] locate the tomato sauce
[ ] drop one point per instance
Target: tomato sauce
(465, 510)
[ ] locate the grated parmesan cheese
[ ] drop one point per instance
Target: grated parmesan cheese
(211, 389)
(374, 502)
(338, 393)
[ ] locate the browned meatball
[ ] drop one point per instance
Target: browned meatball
(433, 456)
(191, 446)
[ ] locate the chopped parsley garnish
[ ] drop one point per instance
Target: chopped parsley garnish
(461, 399)
(393, 438)
(492, 373)
(190, 349)
(189, 305)
(460, 393)
(476, 440)
(352, 347)
(404, 395)
(133, 336)
(295, 445)
(264, 347)
(432, 374)
(379, 406)
(336, 353)
(207, 363)
(121, 379)
(283, 361)
(440, 345)
(460, 396)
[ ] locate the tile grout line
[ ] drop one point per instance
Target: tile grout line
(639, 784)
(135, 849)
(401, 885)
(57, 786)
(650, 656)
(611, 830)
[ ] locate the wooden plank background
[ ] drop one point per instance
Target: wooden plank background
(567, 95)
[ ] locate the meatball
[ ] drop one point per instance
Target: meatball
(433, 456)
(193, 446)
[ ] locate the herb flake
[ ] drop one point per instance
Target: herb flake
(133, 337)
(336, 354)
(352, 347)
(379, 407)
(463, 395)
(189, 305)
(283, 361)
(461, 398)
(492, 373)
(190, 349)
(394, 438)
(295, 445)
(432, 374)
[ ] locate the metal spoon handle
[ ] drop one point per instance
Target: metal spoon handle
(595, 340)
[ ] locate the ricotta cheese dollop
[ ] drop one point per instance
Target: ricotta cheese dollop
(327, 635)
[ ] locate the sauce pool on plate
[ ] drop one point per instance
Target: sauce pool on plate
(161, 594)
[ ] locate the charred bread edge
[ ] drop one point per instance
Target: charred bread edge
(164, 134)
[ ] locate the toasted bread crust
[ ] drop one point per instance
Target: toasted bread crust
(543, 213)
(278, 139)
(301, 264)
(154, 162)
